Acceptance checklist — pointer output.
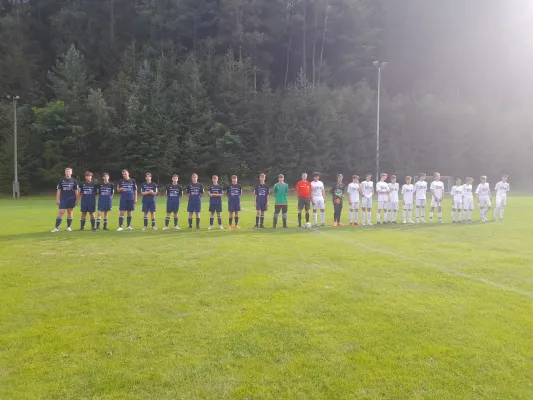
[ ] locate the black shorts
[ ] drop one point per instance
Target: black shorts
(304, 202)
(282, 208)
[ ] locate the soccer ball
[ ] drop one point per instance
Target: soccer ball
(308, 225)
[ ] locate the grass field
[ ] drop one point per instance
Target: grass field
(395, 312)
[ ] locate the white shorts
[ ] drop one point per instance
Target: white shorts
(468, 204)
(392, 206)
(318, 203)
(382, 205)
(501, 201)
(484, 201)
(407, 206)
(367, 202)
(457, 205)
(354, 205)
(436, 203)
(420, 202)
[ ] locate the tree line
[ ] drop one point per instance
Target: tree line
(240, 86)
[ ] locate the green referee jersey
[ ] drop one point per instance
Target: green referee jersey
(280, 193)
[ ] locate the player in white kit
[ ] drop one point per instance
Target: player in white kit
(318, 195)
(382, 188)
(501, 188)
(421, 187)
(483, 198)
(392, 205)
(367, 191)
(468, 200)
(408, 191)
(457, 201)
(353, 195)
(437, 194)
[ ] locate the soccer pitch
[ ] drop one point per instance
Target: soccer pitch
(385, 312)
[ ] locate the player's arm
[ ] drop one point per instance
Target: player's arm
(134, 193)
(77, 193)
(58, 195)
(155, 191)
(202, 191)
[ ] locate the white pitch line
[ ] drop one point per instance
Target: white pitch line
(432, 265)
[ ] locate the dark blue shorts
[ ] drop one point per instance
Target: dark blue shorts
(261, 207)
(66, 204)
(173, 206)
(105, 204)
(149, 207)
(215, 207)
(194, 207)
(88, 206)
(234, 204)
(126, 205)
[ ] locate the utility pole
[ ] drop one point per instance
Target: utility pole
(16, 186)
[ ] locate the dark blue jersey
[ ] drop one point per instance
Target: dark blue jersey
(234, 190)
(106, 189)
(68, 187)
(88, 191)
(150, 188)
(174, 192)
(129, 186)
(261, 191)
(195, 190)
(215, 189)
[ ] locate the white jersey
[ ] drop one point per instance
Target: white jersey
(467, 192)
(408, 193)
(421, 187)
(457, 194)
(502, 188)
(437, 187)
(353, 192)
(382, 186)
(367, 187)
(317, 188)
(483, 189)
(393, 192)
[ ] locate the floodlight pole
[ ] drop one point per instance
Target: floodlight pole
(16, 186)
(379, 65)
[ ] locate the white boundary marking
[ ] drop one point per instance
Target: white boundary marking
(432, 265)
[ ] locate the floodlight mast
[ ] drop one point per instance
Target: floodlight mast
(379, 65)
(16, 186)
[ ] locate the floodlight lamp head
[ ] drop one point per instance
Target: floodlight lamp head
(375, 64)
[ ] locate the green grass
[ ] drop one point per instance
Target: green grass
(395, 312)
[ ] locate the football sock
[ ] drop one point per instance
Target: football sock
(275, 220)
(82, 223)
(284, 218)
(350, 214)
(315, 218)
(501, 212)
(306, 217)
(236, 220)
(145, 222)
(299, 219)
(368, 216)
(128, 219)
(440, 214)
(93, 221)
(175, 221)
(153, 222)
(378, 217)
(363, 217)
(323, 216)
(219, 220)
(105, 223)
(256, 220)
(422, 213)
(356, 216)
(197, 222)
(69, 222)
(404, 214)
(167, 221)
(230, 221)
(261, 220)
(469, 212)
(431, 215)
(58, 222)
(120, 221)
(394, 214)
(453, 216)
(190, 222)
(98, 221)
(410, 215)
(417, 213)
(211, 220)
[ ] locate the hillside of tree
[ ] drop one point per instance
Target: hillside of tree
(249, 86)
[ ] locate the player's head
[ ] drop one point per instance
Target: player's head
(504, 178)
(393, 178)
(304, 177)
(281, 178)
(316, 176)
(383, 176)
(215, 179)
(355, 178)
(234, 179)
(469, 180)
(148, 177)
(368, 177)
(105, 177)
(408, 180)
(422, 177)
(436, 175)
(194, 178)
(175, 179)
(68, 172)
(125, 174)
(88, 176)
(458, 181)
(339, 178)
(262, 178)
(483, 178)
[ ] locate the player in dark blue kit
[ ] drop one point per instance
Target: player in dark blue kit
(261, 201)
(215, 193)
(128, 198)
(105, 200)
(67, 196)
(88, 200)
(234, 192)
(174, 193)
(149, 191)
(194, 192)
